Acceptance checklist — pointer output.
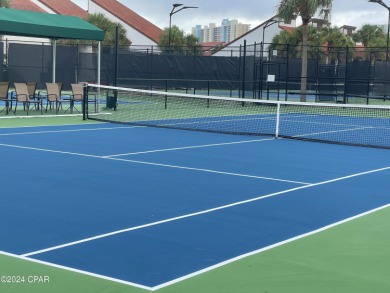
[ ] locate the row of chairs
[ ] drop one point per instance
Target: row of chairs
(27, 94)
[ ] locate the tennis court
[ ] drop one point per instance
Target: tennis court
(151, 207)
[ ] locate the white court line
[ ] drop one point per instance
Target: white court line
(209, 171)
(200, 212)
(68, 130)
(332, 131)
(53, 125)
(76, 270)
(205, 270)
(226, 262)
(41, 116)
(155, 164)
(190, 147)
(48, 151)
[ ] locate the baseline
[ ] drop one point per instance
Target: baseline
(203, 212)
(205, 270)
(68, 130)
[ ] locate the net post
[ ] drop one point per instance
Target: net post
(115, 99)
(85, 101)
(277, 120)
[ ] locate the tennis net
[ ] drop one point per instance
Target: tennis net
(361, 125)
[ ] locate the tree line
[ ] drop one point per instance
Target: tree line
(300, 41)
(306, 35)
(179, 40)
(328, 39)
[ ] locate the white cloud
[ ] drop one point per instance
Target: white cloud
(345, 12)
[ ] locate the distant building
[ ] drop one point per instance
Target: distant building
(198, 32)
(65, 7)
(348, 30)
(227, 32)
(208, 33)
(319, 23)
(140, 31)
(262, 33)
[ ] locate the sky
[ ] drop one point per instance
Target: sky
(253, 12)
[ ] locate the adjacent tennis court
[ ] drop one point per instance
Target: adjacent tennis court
(152, 207)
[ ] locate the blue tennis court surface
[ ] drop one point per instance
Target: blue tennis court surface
(149, 207)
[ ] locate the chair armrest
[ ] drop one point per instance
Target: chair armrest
(66, 97)
(77, 95)
(49, 95)
(18, 95)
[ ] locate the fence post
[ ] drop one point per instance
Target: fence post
(346, 75)
(287, 70)
(261, 70)
(254, 72)
(268, 69)
(369, 76)
(243, 72)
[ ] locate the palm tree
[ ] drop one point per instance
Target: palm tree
(373, 38)
(334, 39)
(294, 40)
(375, 49)
(280, 42)
(109, 27)
(179, 42)
(313, 40)
(5, 3)
(306, 9)
(369, 33)
(192, 45)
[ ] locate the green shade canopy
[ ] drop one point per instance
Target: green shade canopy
(44, 25)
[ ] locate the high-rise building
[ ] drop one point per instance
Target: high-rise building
(197, 32)
(227, 32)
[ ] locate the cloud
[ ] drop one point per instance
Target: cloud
(345, 12)
(209, 11)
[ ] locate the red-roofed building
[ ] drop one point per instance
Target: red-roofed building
(65, 7)
(26, 5)
(210, 47)
(348, 30)
(287, 28)
(139, 30)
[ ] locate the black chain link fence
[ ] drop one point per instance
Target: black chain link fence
(264, 71)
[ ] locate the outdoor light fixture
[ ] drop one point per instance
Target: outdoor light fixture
(170, 18)
(268, 24)
(380, 2)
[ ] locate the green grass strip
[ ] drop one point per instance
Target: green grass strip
(41, 121)
(350, 258)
